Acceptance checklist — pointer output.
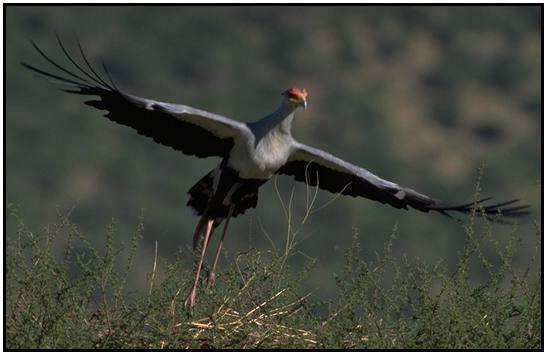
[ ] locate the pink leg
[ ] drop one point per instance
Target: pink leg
(211, 276)
(191, 299)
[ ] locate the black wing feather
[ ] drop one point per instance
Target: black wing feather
(313, 166)
(148, 117)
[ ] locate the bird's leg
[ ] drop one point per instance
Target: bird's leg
(191, 299)
(211, 276)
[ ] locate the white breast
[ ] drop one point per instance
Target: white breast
(262, 161)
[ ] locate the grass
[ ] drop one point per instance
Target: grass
(79, 298)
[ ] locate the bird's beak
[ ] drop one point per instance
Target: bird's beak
(304, 104)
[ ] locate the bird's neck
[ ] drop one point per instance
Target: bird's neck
(281, 120)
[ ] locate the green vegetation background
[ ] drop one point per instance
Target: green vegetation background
(418, 95)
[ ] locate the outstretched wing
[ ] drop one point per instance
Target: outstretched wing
(316, 167)
(184, 128)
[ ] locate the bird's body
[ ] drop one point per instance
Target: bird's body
(254, 158)
(262, 156)
(250, 155)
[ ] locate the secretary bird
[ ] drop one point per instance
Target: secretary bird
(251, 153)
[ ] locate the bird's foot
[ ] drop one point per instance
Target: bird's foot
(211, 279)
(191, 299)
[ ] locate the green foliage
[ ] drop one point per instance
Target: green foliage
(406, 304)
(79, 298)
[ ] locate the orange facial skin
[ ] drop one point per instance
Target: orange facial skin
(297, 95)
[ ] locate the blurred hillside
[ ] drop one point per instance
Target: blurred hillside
(418, 95)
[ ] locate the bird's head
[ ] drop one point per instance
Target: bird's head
(296, 97)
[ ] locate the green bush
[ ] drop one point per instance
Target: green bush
(79, 298)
